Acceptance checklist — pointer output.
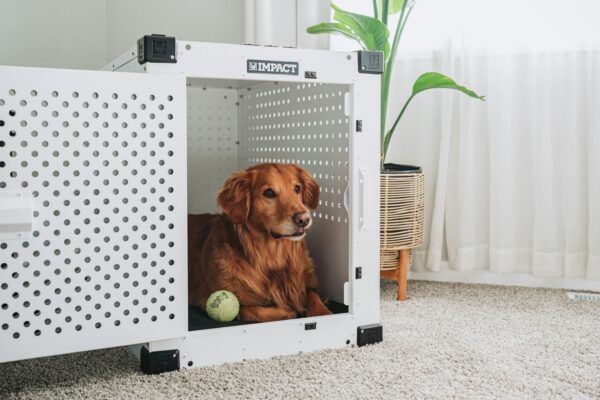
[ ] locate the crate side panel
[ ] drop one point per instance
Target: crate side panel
(305, 124)
(212, 143)
(103, 156)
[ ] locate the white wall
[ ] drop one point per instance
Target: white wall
(201, 20)
(56, 33)
(87, 34)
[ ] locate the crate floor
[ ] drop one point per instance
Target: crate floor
(198, 320)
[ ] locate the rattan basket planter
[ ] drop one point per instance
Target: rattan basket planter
(402, 220)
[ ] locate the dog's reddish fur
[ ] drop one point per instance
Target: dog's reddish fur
(272, 278)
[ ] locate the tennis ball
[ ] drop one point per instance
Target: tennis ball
(222, 306)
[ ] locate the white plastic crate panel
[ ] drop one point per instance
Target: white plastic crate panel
(306, 124)
(103, 156)
(212, 143)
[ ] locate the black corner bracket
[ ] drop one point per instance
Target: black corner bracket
(157, 362)
(370, 62)
(369, 334)
(157, 49)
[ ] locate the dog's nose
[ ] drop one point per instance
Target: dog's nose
(301, 219)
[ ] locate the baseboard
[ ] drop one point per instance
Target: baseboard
(491, 278)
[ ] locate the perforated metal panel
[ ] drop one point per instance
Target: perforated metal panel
(306, 124)
(102, 156)
(212, 143)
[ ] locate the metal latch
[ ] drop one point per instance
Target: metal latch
(16, 215)
(310, 326)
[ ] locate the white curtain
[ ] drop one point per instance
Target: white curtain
(513, 184)
(284, 22)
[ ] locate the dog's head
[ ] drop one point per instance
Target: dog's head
(273, 198)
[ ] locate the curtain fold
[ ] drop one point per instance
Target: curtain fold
(516, 187)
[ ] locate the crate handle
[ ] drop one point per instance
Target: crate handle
(362, 198)
(16, 215)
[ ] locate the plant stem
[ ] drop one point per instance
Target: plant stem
(387, 77)
(384, 11)
(375, 13)
(388, 136)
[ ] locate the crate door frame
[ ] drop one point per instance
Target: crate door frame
(228, 62)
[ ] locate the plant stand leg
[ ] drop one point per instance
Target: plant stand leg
(402, 272)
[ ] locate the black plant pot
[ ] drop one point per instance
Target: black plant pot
(390, 168)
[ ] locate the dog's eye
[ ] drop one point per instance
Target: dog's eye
(297, 188)
(269, 193)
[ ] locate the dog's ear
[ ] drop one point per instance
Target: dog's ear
(310, 188)
(235, 197)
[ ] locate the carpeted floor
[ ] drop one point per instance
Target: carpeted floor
(446, 341)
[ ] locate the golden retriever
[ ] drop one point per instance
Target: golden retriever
(256, 248)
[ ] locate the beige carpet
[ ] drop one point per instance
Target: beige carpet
(446, 341)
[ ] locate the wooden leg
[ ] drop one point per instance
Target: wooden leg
(402, 272)
(391, 274)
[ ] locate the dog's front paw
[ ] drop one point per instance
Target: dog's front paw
(315, 305)
(317, 310)
(289, 314)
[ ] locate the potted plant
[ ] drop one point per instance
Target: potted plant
(402, 186)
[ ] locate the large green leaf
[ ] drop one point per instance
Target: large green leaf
(369, 32)
(429, 80)
(333, 27)
(372, 32)
(394, 7)
(435, 80)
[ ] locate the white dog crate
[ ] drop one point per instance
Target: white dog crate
(98, 171)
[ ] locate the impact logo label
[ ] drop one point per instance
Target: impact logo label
(272, 67)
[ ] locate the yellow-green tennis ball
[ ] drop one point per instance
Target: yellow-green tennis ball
(222, 306)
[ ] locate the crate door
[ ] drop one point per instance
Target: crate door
(92, 210)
